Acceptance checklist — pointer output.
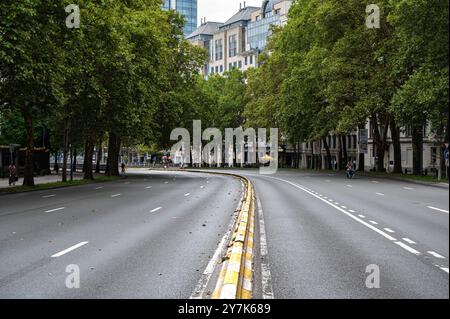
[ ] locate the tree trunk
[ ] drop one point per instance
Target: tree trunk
(74, 160)
(344, 149)
(55, 165)
(113, 155)
(395, 134)
(328, 157)
(417, 145)
(379, 144)
(339, 157)
(99, 157)
(361, 164)
(28, 179)
(87, 165)
(65, 152)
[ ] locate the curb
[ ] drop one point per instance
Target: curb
(407, 180)
(235, 279)
(236, 274)
(4, 193)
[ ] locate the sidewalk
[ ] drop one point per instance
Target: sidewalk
(41, 179)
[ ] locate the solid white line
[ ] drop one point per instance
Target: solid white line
(406, 247)
(382, 233)
(373, 222)
(380, 194)
(155, 209)
(48, 196)
(209, 270)
(65, 251)
(409, 241)
(389, 230)
(54, 210)
(362, 216)
(266, 276)
(435, 254)
(115, 195)
(187, 194)
(438, 209)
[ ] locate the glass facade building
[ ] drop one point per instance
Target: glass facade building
(188, 8)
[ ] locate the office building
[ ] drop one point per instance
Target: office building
(188, 8)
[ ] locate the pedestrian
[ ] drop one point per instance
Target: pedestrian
(12, 174)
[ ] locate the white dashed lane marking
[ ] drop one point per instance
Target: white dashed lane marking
(187, 194)
(438, 209)
(155, 209)
(443, 268)
(65, 251)
(389, 230)
(409, 241)
(48, 196)
(380, 194)
(54, 210)
(115, 195)
(407, 248)
(435, 254)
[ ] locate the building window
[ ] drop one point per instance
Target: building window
(251, 59)
(408, 131)
(219, 50)
(246, 61)
(240, 64)
(232, 43)
(217, 69)
(221, 69)
(230, 66)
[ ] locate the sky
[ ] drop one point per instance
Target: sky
(221, 10)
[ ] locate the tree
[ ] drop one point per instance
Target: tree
(31, 64)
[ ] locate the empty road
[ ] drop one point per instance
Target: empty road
(148, 236)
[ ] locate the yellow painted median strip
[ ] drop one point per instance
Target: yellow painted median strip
(236, 275)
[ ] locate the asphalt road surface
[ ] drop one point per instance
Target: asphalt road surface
(318, 235)
(149, 236)
(322, 231)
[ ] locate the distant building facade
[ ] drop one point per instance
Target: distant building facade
(237, 42)
(188, 8)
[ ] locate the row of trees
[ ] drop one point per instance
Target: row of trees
(327, 72)
(127, 77)
(122, 76)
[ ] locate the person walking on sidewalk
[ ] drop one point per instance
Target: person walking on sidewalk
(12, 174)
